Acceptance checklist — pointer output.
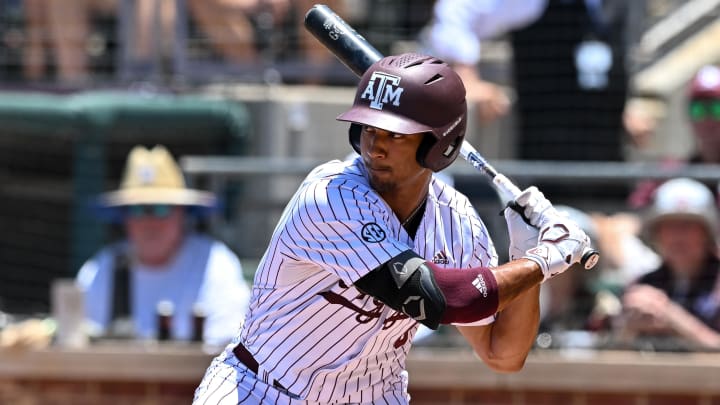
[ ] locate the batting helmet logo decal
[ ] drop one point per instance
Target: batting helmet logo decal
(372, 233)
(383, 88)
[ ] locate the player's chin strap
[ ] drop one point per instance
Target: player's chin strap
(430, 294)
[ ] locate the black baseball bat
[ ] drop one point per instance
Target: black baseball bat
(355, 52)
(341, 39)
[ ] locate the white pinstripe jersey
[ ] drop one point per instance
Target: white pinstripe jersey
(307, 326)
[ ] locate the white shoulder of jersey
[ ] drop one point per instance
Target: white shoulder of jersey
(337, 222)
(336, 168)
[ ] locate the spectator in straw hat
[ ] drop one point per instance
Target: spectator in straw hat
(677, 300)
(162, 261)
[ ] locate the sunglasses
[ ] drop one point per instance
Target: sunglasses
(701, 110)
(151, 210)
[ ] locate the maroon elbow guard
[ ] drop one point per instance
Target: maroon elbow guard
(470, 294)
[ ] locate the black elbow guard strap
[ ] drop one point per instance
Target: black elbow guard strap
(406, 283)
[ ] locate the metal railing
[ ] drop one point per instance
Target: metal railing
(548, 171)
(267, 183)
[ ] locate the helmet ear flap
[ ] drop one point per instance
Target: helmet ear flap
(354, 136)
(438, 153)
(425, 146)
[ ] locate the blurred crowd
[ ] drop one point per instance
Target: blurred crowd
(658, 282)
(86, 43)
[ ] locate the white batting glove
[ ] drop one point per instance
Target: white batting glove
(523, 236)
(561, 244)
(537, 209)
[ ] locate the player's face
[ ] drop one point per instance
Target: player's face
(391, 159)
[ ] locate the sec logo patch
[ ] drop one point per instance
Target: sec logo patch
(372, 233)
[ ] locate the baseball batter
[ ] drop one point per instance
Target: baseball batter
(367, 249)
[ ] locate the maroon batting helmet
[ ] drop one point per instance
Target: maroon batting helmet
(412, 93)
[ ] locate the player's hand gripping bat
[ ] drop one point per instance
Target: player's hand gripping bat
(355, 52)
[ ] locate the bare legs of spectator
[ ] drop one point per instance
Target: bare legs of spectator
(69, 29)
(64, 26)
(315, 52)
(227, 24)
(37, 36)
(152, 35)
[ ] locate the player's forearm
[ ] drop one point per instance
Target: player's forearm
(515, 328)
(505, 344)
(514, 279)
(513, 332)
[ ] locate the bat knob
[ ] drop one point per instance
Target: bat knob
(590, 258)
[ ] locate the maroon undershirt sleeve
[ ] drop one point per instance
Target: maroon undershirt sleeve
(470, 294)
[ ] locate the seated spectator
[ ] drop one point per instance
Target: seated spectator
(589, 300)
(625, 255)
(672, 307)
(58, 35)
(61, 29)
(234, 28)
(162, 260)
(703, 113)
(229, 24)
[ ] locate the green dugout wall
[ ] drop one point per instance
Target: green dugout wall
(58, 152)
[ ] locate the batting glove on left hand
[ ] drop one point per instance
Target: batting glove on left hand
(523, 236)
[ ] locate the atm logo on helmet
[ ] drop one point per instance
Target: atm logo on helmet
(381, 89)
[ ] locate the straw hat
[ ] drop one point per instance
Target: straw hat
(153, 177)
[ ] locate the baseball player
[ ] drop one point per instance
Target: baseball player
(368, 249)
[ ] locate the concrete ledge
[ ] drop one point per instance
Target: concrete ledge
(436, 368)
(147, 362)
(596, 371)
